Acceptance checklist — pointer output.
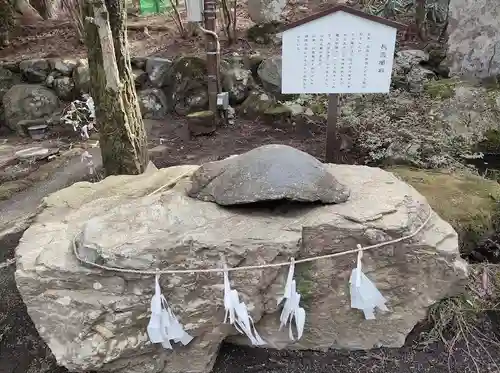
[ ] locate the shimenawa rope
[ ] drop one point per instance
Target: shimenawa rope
(246, 268)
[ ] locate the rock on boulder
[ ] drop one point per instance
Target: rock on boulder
(27, 102)
(96, 320)
(267, 173)
(474, 38)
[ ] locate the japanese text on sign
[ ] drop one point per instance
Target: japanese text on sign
(354, 56)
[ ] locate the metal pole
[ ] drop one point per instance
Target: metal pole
(332, 147)
(211, 48)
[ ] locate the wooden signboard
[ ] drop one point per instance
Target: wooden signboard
(339, 50)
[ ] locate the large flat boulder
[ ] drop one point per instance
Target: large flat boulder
(96, 320)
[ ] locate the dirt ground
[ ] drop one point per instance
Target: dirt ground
(58, 38)
(175, 147)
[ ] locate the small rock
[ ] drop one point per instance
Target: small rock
(12, 66)
(26, 102)
(263, 33)
(201, 123)
(38, 131)
(263, 11)
(255, 104)
(25, 124)
(237, 80)
(81, 77)
(277, 115)
(309, 112)
(7, 80)
(35, 71)
(64, 88)
(138, 62)
(140, 77)
(65, 67)
(408, 72)
(187, 88)
(49, 82)
(417, 77)
(296, 108)
(267, 173)
(269, 72)
(406, 59)
(252, 63)
(36, 153)
(158, 71)
(153, 103)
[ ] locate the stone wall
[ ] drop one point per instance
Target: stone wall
(36, 91)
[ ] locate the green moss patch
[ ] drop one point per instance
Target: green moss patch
(468, 202)
(305, 284)
(441, 89)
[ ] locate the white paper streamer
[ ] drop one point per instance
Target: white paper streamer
(85, 132)
(86, 158)
(236, 313)
(291, 309)
(163, 325)
(364, 294)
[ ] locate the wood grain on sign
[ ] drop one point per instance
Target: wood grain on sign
(338, 53)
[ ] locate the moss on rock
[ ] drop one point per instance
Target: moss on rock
(468, 202)
(441, 89)
(278, 109)
(201, 114)
(305, 284)
(263, 33)
(490, 142)
(255, 104)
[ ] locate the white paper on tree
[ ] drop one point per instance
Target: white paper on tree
(163, 325)
(236, 313)
(364, 294)
(292, 312)
(338, 53)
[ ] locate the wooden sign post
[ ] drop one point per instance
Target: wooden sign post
(339, 50)
(332, 152)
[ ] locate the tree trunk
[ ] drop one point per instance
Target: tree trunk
(420, 19)
(48, 9)
(6, 21)
(29, 14)
(121, 129)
